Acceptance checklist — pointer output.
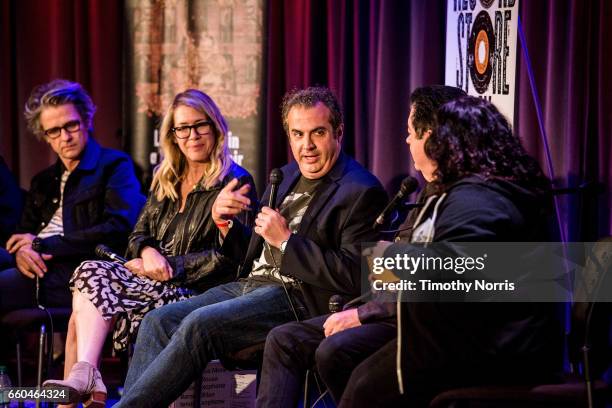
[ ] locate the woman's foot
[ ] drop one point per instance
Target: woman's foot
(84, 384)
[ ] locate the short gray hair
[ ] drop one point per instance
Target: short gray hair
(55, 93)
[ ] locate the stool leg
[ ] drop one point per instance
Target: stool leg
(19, 375)
(41, 349)
(21, 404)
(197, 391)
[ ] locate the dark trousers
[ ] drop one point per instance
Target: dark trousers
(6, 260)
(295, 347)
(374, 383)
(18, 291)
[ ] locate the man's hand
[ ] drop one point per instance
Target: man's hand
(377, 273)
(155, 265)
(16, 241)
(272, 227)
(31, 263)
(229, 203)
(341, 321)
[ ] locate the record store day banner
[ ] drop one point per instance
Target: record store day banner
(481, 49)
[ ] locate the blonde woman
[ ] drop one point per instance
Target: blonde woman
(173, 250)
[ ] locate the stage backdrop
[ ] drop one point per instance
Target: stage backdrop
(211, 45)
(371, 52)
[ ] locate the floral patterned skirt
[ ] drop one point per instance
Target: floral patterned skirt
(118, 293)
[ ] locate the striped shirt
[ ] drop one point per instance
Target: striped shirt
(56, 224)
(292, 208)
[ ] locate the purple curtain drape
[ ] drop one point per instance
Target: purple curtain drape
(570, 47)
(369, 54)
(373, 53)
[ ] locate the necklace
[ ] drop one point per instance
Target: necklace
(194, 185)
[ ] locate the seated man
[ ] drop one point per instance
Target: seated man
(298, 257)
(90, 196)
(484, 187)
(337, 343)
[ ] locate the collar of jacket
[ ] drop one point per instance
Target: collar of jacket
(334, 174)
(89, 161)
(324, 192)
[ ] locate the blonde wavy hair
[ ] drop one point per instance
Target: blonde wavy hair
(173, 168)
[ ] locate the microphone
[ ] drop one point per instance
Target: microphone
(408, 186)
(335, 303)
(276, 177)
(105, 252)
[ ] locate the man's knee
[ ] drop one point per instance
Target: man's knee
(282, 337)
(329, 354)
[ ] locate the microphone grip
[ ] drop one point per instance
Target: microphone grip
(105, 252)
(392, 206)
(37, 293)
(273, 193)
(117, 258)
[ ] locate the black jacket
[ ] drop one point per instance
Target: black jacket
(446, 345)
(325, 253)
(102, 200)
(11, 203)
(196, 261)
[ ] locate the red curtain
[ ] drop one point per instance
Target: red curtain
(42, 40)
(373, 53)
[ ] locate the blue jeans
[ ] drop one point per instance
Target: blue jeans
(176, 342)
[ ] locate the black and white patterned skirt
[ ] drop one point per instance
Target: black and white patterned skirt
(118, 293)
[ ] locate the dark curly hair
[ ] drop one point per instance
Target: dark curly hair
(426, 101)
(308, 98)
(474, 138)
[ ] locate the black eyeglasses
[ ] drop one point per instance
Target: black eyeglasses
(183, 132)
(70, 127)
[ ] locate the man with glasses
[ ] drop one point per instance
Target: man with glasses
(90, 196)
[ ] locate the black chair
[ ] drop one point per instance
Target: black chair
(249, 358)
(590, 352)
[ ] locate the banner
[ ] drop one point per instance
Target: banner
(212, 45)
(481, 47)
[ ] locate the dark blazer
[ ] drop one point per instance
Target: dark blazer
(102, 200)
(325, 254)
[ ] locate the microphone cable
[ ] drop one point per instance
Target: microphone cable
(40, 306)
(284, 284)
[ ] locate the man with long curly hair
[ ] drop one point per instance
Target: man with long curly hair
(483, 187)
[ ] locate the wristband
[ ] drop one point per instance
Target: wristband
(225, 224)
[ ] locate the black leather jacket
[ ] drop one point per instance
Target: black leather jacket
(196, 261)
(102, 200)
